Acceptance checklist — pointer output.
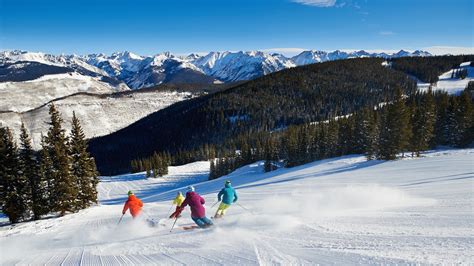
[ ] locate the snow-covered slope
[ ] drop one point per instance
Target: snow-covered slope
(99, 114)
(449, 84)
(25, 95)
(344, 210)
(229, 66)
(72, 61)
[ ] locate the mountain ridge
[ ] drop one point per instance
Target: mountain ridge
(139, 71)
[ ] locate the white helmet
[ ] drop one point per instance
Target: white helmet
(190, 189)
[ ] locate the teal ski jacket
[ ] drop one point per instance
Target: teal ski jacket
(227, 194)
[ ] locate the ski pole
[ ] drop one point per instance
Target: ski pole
(174, 224)
(149, 217)
(214, 204)
(244, 208)
(120, 218)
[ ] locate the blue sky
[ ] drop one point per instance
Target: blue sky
(184, 26)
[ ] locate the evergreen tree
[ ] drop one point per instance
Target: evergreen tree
(322, 141)
(14, 186)
(465, 117)
(134, 166)
(347, 144)
(395, 132)
(83, 166)
(453, 125)
(423, 124)
(222, 166)
(361, 133)
(141, 167)
(461, 73)
(470, 86)
(246, 153)
(65, 189)
(332, 139)
(29, 166)
(146, 164)
(46, 172)
(270, 155)
(314, 143)
(155, 165)
(373, 137)
(303, 145)
(441, 126)
(164, 165)
(291, 149)
(268, 166)
(212, 171)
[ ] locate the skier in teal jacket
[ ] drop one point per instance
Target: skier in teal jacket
(228, 196)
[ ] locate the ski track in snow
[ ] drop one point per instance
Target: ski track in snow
(336, 211)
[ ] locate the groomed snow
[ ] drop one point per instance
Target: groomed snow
(344, 210)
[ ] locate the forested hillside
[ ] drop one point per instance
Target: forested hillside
(293, 96)
(427, 69)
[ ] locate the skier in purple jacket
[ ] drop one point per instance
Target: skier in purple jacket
(198, 212)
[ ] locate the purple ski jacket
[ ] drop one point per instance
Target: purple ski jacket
(195, 202)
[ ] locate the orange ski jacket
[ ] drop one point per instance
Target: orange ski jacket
(134, 204)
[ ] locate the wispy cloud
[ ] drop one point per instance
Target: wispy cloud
(454, 50)
(386, 32)
(316, 3)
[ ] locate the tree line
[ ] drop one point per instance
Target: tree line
(157, 164)
(408, 124)
(154, 166)
(60, 178)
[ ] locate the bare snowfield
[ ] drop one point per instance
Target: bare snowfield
(344, 210)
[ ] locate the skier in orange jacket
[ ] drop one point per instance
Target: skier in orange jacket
(134, 204)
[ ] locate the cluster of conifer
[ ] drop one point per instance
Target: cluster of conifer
(154, 166)
(459, 73)
(61, 178)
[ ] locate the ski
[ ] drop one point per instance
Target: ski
(190, 227)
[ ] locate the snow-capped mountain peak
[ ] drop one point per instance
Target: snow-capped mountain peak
(141, 71)
(191, 57)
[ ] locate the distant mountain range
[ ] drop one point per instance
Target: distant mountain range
(125, 69)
